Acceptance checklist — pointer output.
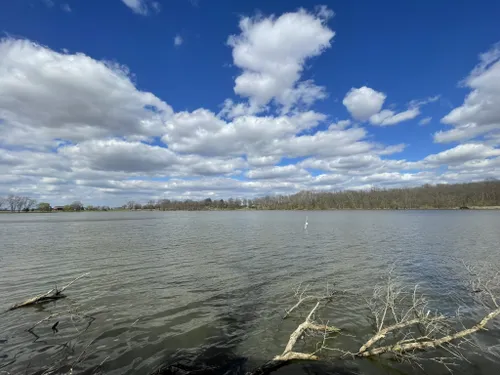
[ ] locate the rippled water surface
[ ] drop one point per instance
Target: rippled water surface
(210, 288)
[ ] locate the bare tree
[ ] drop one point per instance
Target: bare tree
(21, 203)
(2, 202)
(76, 206)
(12, 202)
(30, 203)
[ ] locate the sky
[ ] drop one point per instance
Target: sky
(117, 100)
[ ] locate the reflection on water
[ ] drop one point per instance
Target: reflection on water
(207, 290)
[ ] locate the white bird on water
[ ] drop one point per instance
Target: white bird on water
(306, 224)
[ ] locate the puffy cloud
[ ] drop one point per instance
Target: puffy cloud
(462, 153)
(121, 156)
(287, 171)
(272, 52)
(63, 136)
(388, 117)
(355, 165)
(142, 7)
(202, 132)
(263, 161)
(364, 102)
(480, 112)
(48, 96)
(143, 159)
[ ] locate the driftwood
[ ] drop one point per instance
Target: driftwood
(52, 295)
(402, 318)
(290, 355)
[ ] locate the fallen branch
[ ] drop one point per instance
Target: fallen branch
(299, 293)
(402, 318)
(289, 354)
(420, 344)
(52, 295)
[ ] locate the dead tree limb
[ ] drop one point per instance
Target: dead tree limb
(300, 294)
(52, 295)
(419, 344)
(405, 326)
(289, 354)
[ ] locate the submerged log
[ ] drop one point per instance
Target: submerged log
(51, 295)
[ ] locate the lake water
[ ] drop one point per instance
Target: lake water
(205, 289)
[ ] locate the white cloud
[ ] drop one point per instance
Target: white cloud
(272, 52)
(66, 8)
(72, 127)
(462, 153)
(203, 133)
(364, 102)
(263, 161)
(142, 7)
(178, 40)
(275, 172)
(48, 96)
(480, 112)
(387, 117)
(425, 121)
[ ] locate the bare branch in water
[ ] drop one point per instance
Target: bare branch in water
(405, 325)
(301, 295)
(51, 295)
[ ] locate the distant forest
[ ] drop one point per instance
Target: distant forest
(443, 196)
(477, 194)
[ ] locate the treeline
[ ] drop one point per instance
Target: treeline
(477, 194)
(17, 203)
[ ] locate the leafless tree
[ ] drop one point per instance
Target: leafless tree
(12, 202)
(76, 206)
(30, 203)
(2, 202)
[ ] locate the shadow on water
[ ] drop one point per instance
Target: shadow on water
(218, 356)
(222, 361)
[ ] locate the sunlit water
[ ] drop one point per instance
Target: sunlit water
(210, 288)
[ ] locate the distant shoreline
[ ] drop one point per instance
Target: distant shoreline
(473, 208)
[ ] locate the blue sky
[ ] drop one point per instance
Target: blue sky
(248, 98)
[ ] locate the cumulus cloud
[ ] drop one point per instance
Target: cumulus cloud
(287, 171)
(462, 153)
(480, 112)
(72, 127)
(271, 52)
(48, 96)
(364, 102)
(202, 132)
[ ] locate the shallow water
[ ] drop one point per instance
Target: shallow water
(209, 288)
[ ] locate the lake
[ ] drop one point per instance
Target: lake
(201, 289)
